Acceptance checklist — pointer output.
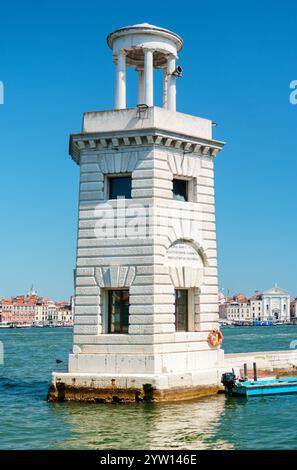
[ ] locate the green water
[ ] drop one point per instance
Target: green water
(27, 421)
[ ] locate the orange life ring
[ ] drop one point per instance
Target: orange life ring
(215, 337)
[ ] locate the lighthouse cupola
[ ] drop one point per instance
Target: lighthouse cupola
(146, 47)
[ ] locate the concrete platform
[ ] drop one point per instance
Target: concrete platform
(122, 388)
(278, 363)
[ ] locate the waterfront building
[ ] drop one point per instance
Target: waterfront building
(49, 311)
(146, 294)
(256, 306)
(39, 312)
(64, 313)
(6, 309)
(32, 309)
(276, 305)
(272, 305)
(236, 309)
(20, 309)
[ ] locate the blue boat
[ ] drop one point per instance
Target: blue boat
(257, 388)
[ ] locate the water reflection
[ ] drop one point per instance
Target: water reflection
(187, 425)
(27, 421)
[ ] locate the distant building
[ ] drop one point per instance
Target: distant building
(256, 307)
(49, 310)
(236, 309)
(63, 313)
(32, 309)
(271, 305)
(20, 309)
(276, 305)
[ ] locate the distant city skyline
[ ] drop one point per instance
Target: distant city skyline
(231, 293)
(32, 309)
(33, 292)
(237, 72)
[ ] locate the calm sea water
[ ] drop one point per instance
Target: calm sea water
(27, 421)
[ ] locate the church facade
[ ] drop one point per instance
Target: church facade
(272, 305)
(276, 305)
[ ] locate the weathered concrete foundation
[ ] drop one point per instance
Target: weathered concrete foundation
(148, 394)
(97, 388)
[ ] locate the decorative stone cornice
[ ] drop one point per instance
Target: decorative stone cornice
(115, 276)
(141, 138)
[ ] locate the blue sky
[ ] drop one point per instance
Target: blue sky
(239, 59)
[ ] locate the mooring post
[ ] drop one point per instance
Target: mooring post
(255, 371)
(245, 372)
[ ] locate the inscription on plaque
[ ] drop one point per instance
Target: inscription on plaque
(182, 254)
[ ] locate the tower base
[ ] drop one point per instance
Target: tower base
(133, 388)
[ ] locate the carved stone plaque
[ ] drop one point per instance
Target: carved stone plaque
(183, 254)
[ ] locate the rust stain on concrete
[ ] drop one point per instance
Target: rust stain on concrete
(62, 392)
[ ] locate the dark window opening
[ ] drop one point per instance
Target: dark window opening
(120, 186)
(180, 190)
(181, 310)
(118, 311)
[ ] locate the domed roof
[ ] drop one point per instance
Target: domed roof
(142, 25)
(145, 28)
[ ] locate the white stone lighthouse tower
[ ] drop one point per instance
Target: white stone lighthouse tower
(146, 293)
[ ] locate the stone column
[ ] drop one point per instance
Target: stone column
(165, 84)
(120, 93)
(140, 86)
(171, 84)
(148, 77)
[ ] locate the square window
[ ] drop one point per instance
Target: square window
(181, 310)
(119, 186)
(180, 190)
(118, 311)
